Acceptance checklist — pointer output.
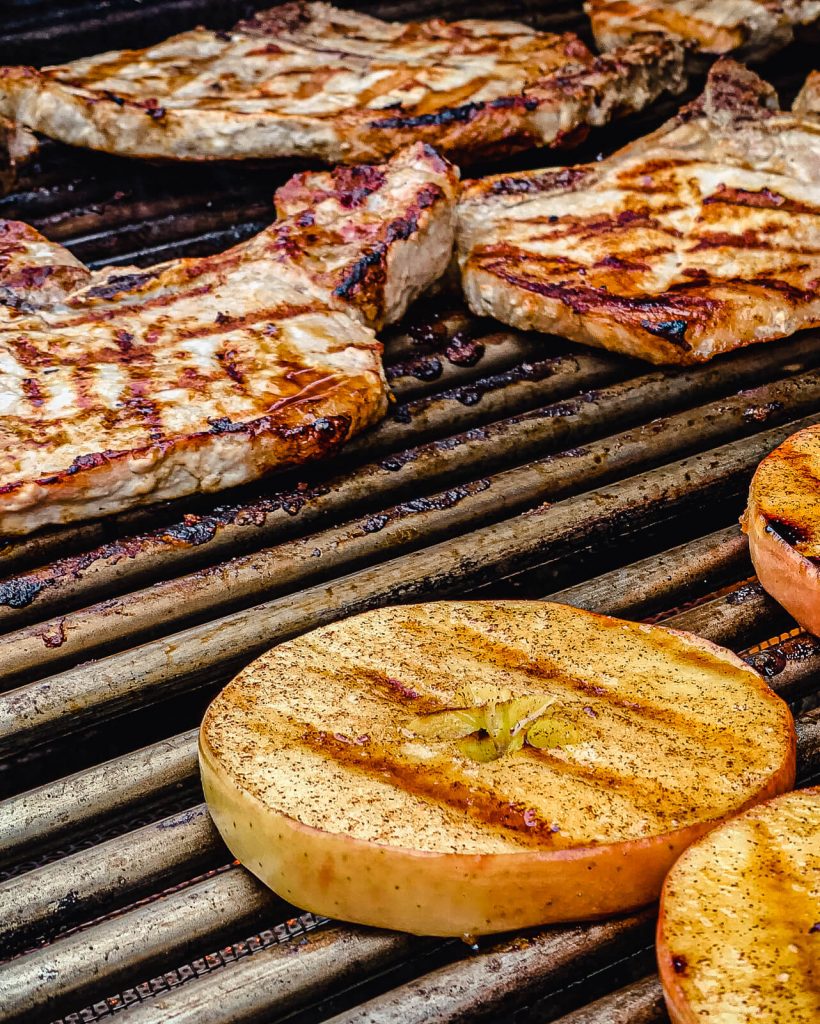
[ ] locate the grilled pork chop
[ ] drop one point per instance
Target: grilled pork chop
(122, 388)
(751, 29)
(17, 147)
(306, 79)
(695, 240)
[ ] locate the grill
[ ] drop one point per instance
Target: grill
(509, 465)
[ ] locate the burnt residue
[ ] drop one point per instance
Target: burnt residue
(471, 394)
(119, 283)
(762, 413)
(673, 331)
(436, 503)
(448, 115)
(748, 592)
(421, 367)
(679, 963)
(20, 592)
(464, 350)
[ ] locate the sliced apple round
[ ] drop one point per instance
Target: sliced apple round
(739, 924)
(782, 520)
(467, 768)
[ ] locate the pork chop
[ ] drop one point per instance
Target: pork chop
(128, 387)
(697, 239)
(306, 79)
(751, 29)
(18, 146)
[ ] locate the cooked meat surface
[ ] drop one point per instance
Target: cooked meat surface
(126, 387)
(807, 102)
(751, 29)
(306, 79)
(17, 147)
(697, 239)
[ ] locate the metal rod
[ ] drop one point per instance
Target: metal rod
(42, 984)
(280, 978)
(639, 1003)
(112, 874)
(666, 578)
(49, 813)
(503, 977)
(202, 655)
(735, 619)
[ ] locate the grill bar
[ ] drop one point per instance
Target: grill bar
(639, 1003)
(503, 977)
(45, 815)
(132, 945)
(91, 882)
(669, 577)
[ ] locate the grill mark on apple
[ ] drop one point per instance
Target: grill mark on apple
(772, 870)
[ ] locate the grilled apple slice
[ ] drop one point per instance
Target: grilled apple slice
(782, 520)
(466, 768)
(739, 926)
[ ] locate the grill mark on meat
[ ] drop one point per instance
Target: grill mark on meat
(33, 391)
(764, 199)
(370, 267)
(564, 179)
(119, 284)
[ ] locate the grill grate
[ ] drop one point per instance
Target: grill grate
(509, 465)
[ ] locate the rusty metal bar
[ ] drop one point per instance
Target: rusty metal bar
(57, 977)
(51, 812)
(666, 578)
(791, 667)
(639, 1003)
(94, 881)
(202, 655)
(808, 745)
(293, 564)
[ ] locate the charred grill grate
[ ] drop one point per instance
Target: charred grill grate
(509, 465)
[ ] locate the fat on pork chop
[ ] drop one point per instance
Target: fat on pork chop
(125, 387)
(751, 29)
(308, 80)
(695, 240)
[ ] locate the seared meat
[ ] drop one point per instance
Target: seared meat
(17, 147)
(807, 103)
(698, 239)
(751, 29)
(306, 79)
(196, 375)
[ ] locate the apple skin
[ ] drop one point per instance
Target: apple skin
(446, 894)
(791, 579)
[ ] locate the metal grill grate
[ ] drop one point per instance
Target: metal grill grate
(509, 465)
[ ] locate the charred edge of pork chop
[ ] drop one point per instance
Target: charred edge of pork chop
(398, 255)
(751, 31)
(698, 316)
(551, 99)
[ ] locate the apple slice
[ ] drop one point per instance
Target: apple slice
(782, 520)
(739, 925)
(466, 768)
